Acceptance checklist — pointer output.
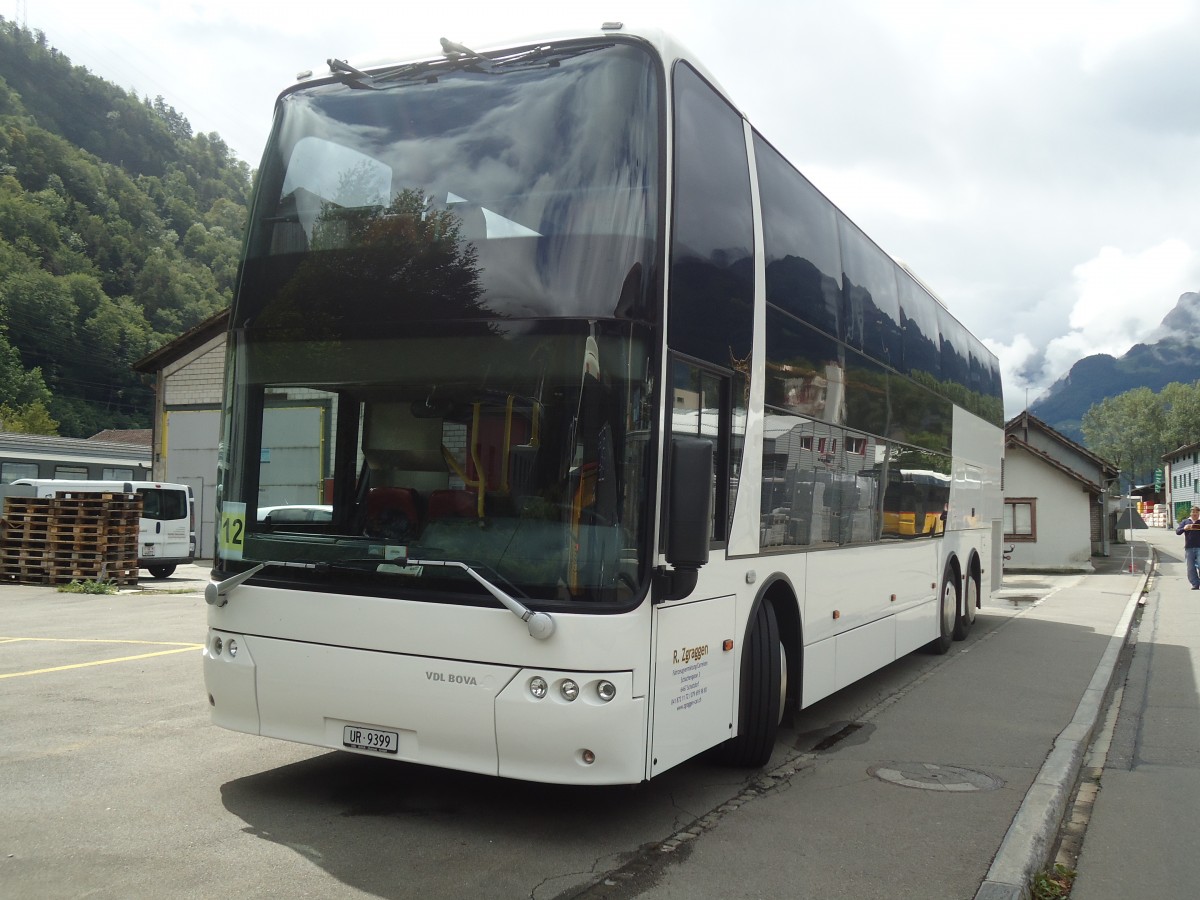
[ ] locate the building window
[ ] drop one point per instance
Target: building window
(71, 472)
(856, 445)
(11, 471)
(1020, 519)
(118, 475)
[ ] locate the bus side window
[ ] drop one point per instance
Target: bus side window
(700, 400)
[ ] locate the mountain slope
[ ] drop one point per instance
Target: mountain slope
(1174, 355)
(119, 230)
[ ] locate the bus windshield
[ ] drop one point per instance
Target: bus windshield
(480, 191)
(442, 338)
(520, 451)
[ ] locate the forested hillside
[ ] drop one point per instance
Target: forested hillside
(119, 230)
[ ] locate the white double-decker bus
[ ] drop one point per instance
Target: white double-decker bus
(624, 437)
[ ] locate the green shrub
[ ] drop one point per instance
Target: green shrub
(88, 587)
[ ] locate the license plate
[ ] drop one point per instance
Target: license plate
(370, 739)
(147, 550)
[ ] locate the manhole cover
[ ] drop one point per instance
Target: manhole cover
(930, 777)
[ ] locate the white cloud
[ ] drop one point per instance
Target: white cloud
(1014, 358)
(1119, 299)
(992, 145)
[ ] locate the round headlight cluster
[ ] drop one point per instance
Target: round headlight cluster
(219, 644)
(570, 690)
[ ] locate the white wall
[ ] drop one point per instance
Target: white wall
(1063, 515)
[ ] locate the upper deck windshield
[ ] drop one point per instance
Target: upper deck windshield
(442, 337)
(518, 190)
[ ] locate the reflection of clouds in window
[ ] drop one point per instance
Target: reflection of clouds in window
(320, 171)
(338, 173)
(549, 172)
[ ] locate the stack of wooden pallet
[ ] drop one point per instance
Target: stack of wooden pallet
(71, 536)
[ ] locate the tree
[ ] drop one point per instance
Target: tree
(31, 419)
(1127, 430)
(1135, 429)
(1181, 407)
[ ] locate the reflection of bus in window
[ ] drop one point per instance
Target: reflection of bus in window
(596, 468)
(915, 503)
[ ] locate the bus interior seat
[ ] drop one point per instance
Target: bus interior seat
(393, 512)
(452, 503)
(522, 460)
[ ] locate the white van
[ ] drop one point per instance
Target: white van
(166, 538)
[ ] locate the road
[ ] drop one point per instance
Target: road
(114, 784)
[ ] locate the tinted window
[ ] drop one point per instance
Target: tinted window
(161, 504)
(820, 484)
(956, 353)
(800, 242)
(919, 416)
(712, 266)
(872, 307)
(867, 387)
(806, 370)
(530, 189)
(921, 340)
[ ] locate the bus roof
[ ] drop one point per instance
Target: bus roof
(667, 47)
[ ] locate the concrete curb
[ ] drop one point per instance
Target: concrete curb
(1027, 845)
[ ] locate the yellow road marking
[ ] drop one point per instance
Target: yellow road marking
(178, 648)
(9, 640)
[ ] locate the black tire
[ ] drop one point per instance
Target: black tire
(948, 610)
(970, 605)
(161, 571)
(760, 707)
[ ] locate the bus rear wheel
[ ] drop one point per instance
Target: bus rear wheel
(948, 606)
(962, 626)
(762, 697)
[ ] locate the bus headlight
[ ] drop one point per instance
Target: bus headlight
(538, 687)
(607, 690)
(232, 647)
(217, 644)
(569, 689)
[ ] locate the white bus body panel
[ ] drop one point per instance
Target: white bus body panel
(402, 666)
(694, 678)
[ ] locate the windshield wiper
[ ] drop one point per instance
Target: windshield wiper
(541, 625)
(215, 591)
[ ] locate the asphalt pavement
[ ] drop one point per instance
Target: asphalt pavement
(958, 785)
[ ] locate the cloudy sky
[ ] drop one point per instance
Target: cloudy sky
(1037, 162)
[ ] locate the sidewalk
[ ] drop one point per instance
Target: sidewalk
(994, 737)
(1141, 840)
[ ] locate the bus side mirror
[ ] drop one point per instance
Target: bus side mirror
(689, 512)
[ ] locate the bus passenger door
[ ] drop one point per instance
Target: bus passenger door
(694, 675)
(693, 679)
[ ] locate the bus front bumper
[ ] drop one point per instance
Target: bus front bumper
(474, 717)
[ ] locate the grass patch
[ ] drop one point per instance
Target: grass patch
(1053, 884)
(89, 587)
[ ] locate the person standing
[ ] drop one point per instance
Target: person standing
(1190, 529)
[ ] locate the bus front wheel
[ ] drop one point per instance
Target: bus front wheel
(762, 695)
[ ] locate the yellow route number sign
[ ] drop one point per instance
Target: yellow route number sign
(231, 536)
